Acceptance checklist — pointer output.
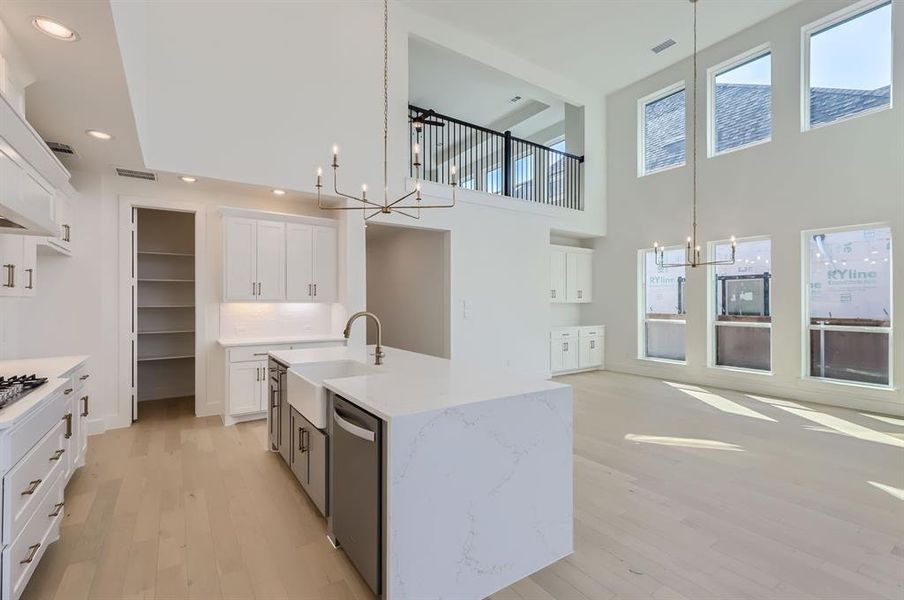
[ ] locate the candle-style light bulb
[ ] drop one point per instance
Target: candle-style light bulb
(319, 175)
(335, 156)
(417, 153)
(364, 190)
(453, 170)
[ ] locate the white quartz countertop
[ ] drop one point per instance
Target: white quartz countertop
(410, 383)
(51, 368)
(264, 341)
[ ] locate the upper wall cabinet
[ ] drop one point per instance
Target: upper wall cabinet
(311, 265)
(571, 274)
(277, 259)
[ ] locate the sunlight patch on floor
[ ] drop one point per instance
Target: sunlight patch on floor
(832, 422)
(724, 404)
(682, 442)
(896, 492)
(884, 419)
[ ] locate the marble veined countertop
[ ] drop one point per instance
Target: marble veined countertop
(265, 341)
(409, 383)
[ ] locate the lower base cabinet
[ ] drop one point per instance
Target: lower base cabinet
(574, 349)
(308, 459)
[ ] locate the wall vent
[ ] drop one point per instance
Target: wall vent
(663, 46)
(61, 148)
(134, 174)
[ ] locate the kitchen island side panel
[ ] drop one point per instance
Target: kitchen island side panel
(479, 496)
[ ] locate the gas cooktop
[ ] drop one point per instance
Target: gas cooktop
(13, 389)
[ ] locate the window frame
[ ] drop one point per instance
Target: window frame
(723, 67)
(805, 311)
(642, 127)
(642, 310)
(711, 311)
(834, 19)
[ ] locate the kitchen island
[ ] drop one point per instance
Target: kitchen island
(475, 469)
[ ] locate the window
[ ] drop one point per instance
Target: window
(848, 60)
(524, 177)
(742, 335)
(494, 181)
(555, 172)
(663, 308)
(848, 297)
(662, 136)
(740, 94)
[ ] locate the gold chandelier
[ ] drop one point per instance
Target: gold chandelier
(411, 209)
(692, 249)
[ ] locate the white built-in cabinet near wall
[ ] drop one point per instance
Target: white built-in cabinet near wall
(574, 349)
(570, 274)
(279, 258)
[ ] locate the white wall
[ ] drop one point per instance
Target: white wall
(77, 309)
(844, 174)
(408, 288)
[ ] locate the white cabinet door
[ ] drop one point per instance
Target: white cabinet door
(271, 261)
(245, 387)
(239, 261)
(325, 264)
(569, 354)
(299, 262)
(579, 275)
(591, 351)
(11, 272)
(557, 269)
(29, 265)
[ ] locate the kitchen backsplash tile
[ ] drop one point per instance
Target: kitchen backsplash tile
(261, 319)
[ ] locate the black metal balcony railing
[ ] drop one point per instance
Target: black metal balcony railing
(493, 161)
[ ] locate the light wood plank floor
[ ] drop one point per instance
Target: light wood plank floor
(680, 494)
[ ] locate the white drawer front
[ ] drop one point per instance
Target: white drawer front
(26, 484)
(560, 333)
(247, 353)
(21, 557)
(24, 436)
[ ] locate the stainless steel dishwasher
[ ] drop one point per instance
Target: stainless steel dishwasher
(356, 501)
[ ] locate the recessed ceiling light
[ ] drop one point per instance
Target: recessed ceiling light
(279, 192)
(100, 135)
(54, 29)
(188, 179)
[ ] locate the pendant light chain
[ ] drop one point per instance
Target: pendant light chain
(694, 125)
(411, 209)
(385, 102)
(692, 251)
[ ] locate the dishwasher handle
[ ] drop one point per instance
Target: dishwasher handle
(355, 430)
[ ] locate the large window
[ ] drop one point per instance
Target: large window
(663, 308)
(849, 72)
(849, 304)
(662, 124)
(740, 93)
(742, 334)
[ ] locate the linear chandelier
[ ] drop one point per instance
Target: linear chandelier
(692, 249)
(397, 205)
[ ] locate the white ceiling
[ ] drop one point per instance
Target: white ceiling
(78, 85)
(463, 88)
(604, 44)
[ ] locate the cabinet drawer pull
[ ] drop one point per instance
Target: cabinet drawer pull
(68, 418)
(32, 550)
(84, 377)
(552, 293)
(85, 403)
(67, 231)
(31, 487)
(310, 290)
(58, 454)
(10, 276)
(259, 354)
(31, 279)
(57, 508)
(67, 391)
